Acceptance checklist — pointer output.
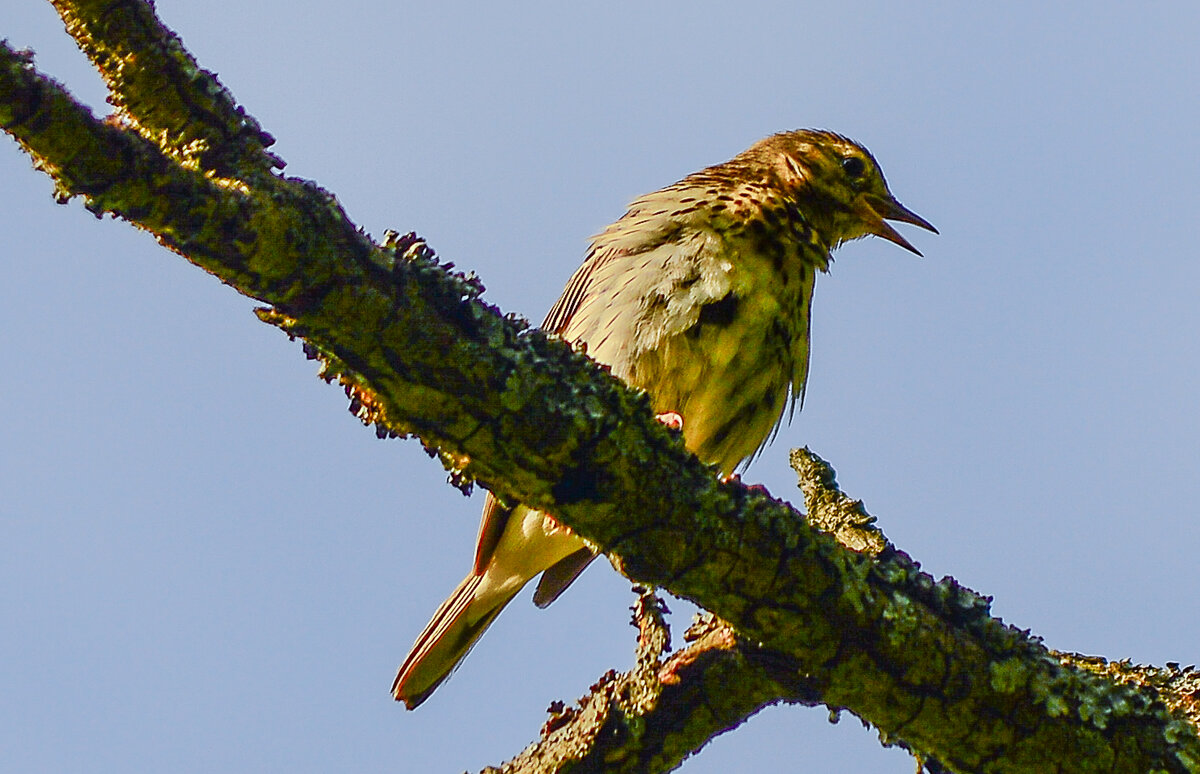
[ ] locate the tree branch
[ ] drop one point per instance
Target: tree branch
(160, 91)
(722, 679)
(665, 709)
(421, 354)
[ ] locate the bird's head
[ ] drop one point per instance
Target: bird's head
(842, 187)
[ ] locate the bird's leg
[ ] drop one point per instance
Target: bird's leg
(674, 421)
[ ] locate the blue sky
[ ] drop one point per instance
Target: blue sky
(206, 563)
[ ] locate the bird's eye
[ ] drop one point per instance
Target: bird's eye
(854, 166)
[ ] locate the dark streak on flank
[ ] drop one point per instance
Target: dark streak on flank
(720, 312)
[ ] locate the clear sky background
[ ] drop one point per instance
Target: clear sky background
(206, 564)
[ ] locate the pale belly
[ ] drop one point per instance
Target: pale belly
(730, 385)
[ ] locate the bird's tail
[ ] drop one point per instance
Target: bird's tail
(447, 639)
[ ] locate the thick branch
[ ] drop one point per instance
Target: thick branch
(721, 679)
(921, 660)
(665, 709)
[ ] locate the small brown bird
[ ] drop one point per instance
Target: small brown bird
(700, 295)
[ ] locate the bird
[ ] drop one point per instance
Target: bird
(700, 295)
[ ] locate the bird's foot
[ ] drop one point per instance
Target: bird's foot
(672, 420)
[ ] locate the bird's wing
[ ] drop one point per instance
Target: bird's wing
(651, 221)
(602, 253)
(491, 526)
(563, 573)
(559, 316)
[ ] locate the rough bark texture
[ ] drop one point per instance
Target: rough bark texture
(666, 708)
(420, 353)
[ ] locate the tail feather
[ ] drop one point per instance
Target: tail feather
(445, 642)
(561, 574)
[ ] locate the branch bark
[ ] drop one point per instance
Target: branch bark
(420, 353)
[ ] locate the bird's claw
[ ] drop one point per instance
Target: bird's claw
(672, 420)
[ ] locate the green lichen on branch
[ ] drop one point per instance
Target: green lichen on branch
(1035, 700)
(831, 511)
(1049, 697)
(160, 91)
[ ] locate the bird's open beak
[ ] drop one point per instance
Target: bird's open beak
(874, 210)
